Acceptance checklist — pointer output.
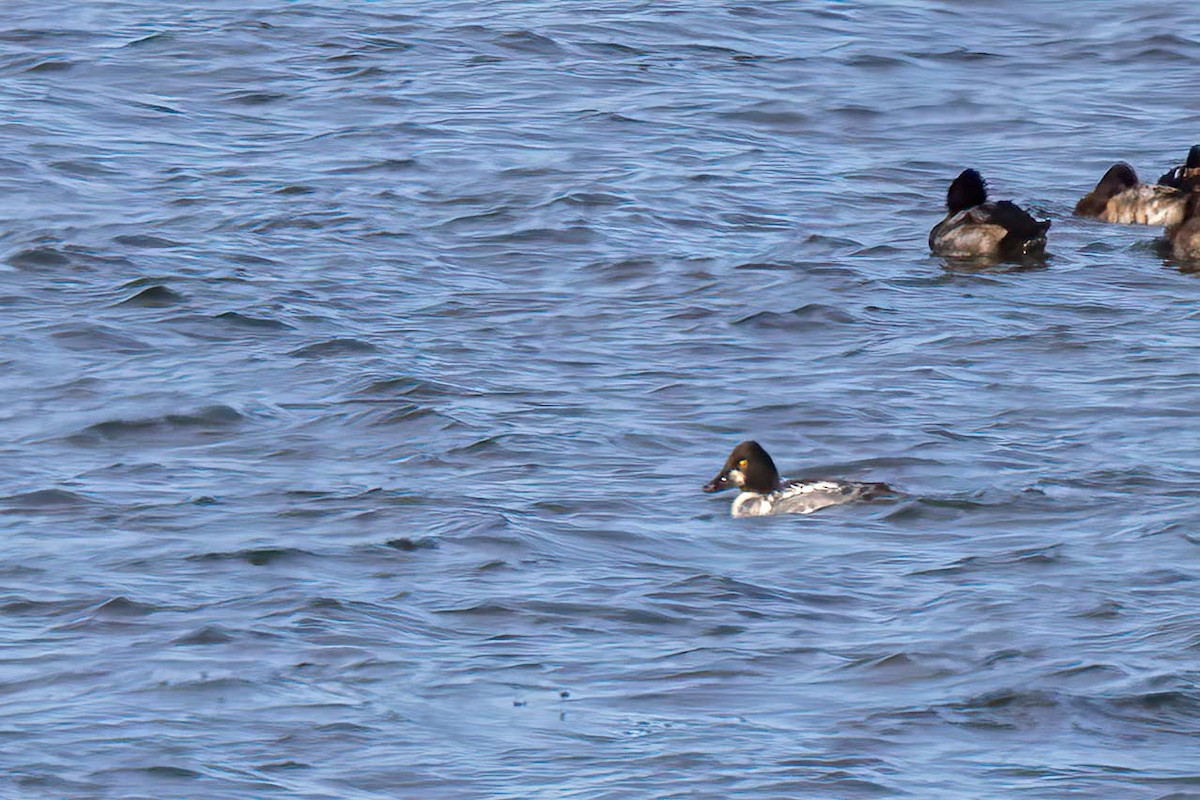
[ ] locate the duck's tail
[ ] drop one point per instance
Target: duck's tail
(1026, 235)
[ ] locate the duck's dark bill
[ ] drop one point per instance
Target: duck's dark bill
(717, 484)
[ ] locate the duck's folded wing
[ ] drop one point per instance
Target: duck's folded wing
(971, 237)
(805, 497)
(1016, 220)
(1146, 204)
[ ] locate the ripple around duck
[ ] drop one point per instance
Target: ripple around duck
(813, 316)
(207, 635)
(252, 322)
(46, 499)
(333, 348)
(43, 257)
(154, 297)
(257, 556)
(30, 607)
(90, 337)
(204, 423)
(146, 241)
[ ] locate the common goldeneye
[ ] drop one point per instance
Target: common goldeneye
(1120, 197)
(975, 228)
(750, 469)
(1187, 175)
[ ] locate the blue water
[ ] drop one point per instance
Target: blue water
(362, 364)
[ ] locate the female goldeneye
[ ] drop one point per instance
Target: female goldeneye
(1187, 175)
(975, 228)
(750, 469)
(1119, 197)
(1185, 237)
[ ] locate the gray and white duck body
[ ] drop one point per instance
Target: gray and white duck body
(763, 492)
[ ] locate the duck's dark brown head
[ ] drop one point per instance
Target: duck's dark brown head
(1120, 176)
(1184, 176)
(749, 468)
(967, 191)
(1193, 159)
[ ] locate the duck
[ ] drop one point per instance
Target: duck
(1185, 237)
(976, 228)
(1120, 197)
(1187, 175)
(763, 492)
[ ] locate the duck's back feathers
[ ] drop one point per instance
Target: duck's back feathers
(964, 235)
(1185, 237)
(1185, 245)
(805, 497)
(1021, 230)
(1146, 204)
(1120, 198)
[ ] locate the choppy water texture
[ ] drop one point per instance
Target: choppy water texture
(362, 364)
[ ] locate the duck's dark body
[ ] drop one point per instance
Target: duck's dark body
(977, 228)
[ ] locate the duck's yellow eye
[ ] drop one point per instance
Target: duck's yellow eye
(742, 464)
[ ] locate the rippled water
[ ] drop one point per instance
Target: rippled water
(362, 364)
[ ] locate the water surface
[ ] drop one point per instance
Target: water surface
(362, 363)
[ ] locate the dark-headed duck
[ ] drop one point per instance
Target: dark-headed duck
(1119, 197)
(1187, 175)
(976, 228)
(750, 469)
(1185, 237)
